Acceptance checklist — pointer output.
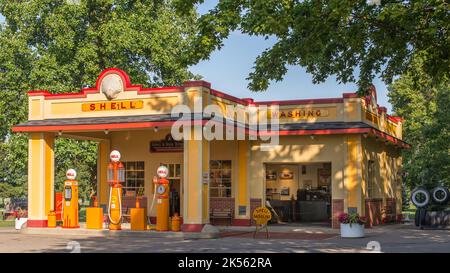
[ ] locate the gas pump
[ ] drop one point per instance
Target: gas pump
(116, 176)
(162, 199)
(70, 203)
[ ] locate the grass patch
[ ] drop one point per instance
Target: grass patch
(410, 211)
(6, 223)
(82, 214)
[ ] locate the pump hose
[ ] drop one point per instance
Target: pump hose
(153, 201)
(62, 211)
(109, 207)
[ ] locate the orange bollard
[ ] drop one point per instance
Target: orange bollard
(51, 223)
(176, 222)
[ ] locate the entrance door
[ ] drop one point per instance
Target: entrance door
(176, 190)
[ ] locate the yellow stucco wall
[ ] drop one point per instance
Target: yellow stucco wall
(388, 164)
(352, 172)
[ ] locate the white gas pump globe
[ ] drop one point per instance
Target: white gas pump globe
(162, 171)
(114, 156)
(71, 174)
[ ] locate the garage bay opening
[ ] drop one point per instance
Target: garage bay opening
(299, 193)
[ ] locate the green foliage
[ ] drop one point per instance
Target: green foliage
(424, 104)
(7, 190)
(78, 155)
(332, 37)
(62, 46)
(13, 166)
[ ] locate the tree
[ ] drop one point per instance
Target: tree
(332, 37)
(424, 105)
(62, 46)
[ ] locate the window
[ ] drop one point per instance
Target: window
(371, 179)
(174, 173)
(134, 178)
(220, 178)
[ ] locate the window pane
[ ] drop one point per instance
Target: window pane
(220, 178)
(139, 183)
(213, 183)
(131, 166)
(213, 192)
(214, 164)
(134, 176)
(140, 165)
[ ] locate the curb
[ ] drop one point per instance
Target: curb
(121, 233)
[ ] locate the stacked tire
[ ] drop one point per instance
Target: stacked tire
(440, 195)
(421, 198)
(417, 200)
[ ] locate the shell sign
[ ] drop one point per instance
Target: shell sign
(262, 215)
(113, 105)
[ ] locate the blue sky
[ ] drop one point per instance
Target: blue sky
(228, 69)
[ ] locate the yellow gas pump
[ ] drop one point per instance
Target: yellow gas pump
(116, 176)
(162, 198)
(70, 203)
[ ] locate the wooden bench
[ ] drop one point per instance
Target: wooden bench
(221, 214)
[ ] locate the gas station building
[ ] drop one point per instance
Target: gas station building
(334, 154)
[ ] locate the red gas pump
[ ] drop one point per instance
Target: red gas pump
(162, 197)
(116, 176)
(70, 203)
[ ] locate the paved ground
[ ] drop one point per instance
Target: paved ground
(391, 238)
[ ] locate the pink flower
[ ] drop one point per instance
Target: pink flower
(343, 217)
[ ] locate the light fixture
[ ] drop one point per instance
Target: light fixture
(365, 135)
(156, 128)
(59, 133)
(106, 132)
(312, 137)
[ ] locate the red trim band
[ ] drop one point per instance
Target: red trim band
(192, 227)
(350, 95)
(90, 127)
(100, 127)
(301, 102)
(140, 125)
(37, 223)
(241, 222)
(197, 83)
(313, 132)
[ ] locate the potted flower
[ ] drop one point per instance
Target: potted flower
(352, 225)
(21, 218)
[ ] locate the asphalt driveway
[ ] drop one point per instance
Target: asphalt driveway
(389, 238)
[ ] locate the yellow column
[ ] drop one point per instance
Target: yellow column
(196, 161)
(352, 175)
(103, 151)
(196, 193)
(242, 189)
(40, 178)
